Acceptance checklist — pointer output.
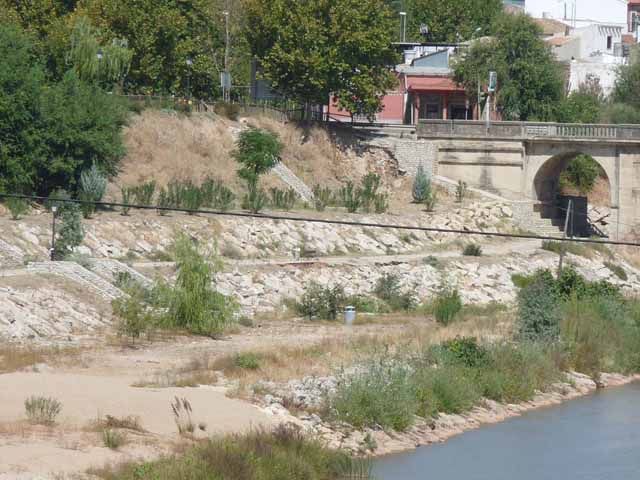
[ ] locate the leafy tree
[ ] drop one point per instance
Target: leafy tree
(257, 152)
(71, 232)
(581, 173)
(451, 21)
(583, 105)
(310, 50)
(421, 186)
(51, 132)
(627, 86)
(530, 83)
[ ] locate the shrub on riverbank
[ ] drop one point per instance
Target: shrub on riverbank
(282, 454)
(449, 378)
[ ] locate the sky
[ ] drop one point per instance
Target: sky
(605, 11)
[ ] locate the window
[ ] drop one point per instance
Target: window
(609, 42)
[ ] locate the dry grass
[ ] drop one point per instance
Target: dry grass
(14, 358)
(331, 353)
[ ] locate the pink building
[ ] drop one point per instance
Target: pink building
(426, 89)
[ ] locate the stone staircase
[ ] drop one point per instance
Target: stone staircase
(109, 268)
(290, 178)
(77, 274)
(10, 256)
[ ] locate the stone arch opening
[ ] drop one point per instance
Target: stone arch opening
(551, 193)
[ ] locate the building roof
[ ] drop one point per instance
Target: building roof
(634, 2)
(433, 84)
(424, 71)
(550, 26)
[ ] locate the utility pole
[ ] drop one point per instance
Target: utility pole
(564, 236)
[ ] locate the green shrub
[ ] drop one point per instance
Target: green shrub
(283, 199)
(257, 151)
(93, 185)
(350, 197)
(17, 207)
(432, 261)
(617, 270)
(70, 233)
(127, 197)
(447, 388)
(113, 439)
(42, 410)
(431, 199)
(581, 173)
(472, 250)
(56, 200)
(191, 197)
(421, 186)
(321, 197)
(369, 191)
(538, 308)
(143, 194)
(461, 191)
(520, 280)
(324, 303)
(367, 304)
(382, 394)
(569, 247)
(216, 195)
(381, 203)
(283, 453)
(255, 199)
(133, 311)
(192, 303)
(466, 351)
(247, 361)
(163, 201)
(447, 306)
(388, 289)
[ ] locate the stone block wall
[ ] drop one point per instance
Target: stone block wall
(410, 154)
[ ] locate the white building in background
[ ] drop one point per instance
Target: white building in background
(580, 13)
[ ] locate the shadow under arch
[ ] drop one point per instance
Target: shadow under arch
(546, 183)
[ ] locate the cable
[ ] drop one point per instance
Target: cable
(321, 221)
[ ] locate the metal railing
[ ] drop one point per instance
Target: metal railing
(526, 130)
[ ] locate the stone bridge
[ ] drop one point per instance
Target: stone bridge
(523, 161)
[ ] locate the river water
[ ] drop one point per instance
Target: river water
(592, 438)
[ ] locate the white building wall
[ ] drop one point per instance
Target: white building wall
(593, 39)
(587, 11)
(580, 71)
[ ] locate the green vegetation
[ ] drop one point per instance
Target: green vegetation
(18, 207)
(578, 249)
(449, 378)
(42, 410)
(71, 232)
(283, 453)
(421, 186)
(113, 439)
(247, 361)
(323, 303)
(93, 185)
(388, 289)
(472, 250)
(283, 199)
(530, 84)
(581, 173)
(309, 58)
(461, 191)
(191, 304)
(447, 305)
(617, 270)
(51, 130)
(322, 197)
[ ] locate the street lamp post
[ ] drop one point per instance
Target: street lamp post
(54, 209)
(403, 26)
(189, 65)
(226, 88)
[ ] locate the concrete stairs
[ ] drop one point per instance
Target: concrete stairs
(290, 178)
(78, 274)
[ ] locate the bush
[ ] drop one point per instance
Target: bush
(56, 200)
(247, 361)
(581, 173)
(191, 197)
(321, 197)
(283, 453)
(42, 410)
(388, 289)
(466, 351)
(350, 197)
(216, 195)
(255, 199)
(472, 250)
(617, 270)
(127, 197)
(192, 304)
(382, 394)
(324, 303)
(113, 439)
(71, 233)
(421, 186)
(257, 151)
(369, 191)
(164, 201)
(431, 199)
(135, 315)
(93, 184)
(283, 199)
(538, 308)
(381, 203)
(17, 207)
(143, 194)
(447, 388)
(447, 306)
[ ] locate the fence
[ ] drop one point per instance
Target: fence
(525, 130)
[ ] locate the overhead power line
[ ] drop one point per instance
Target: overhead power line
(269, 216)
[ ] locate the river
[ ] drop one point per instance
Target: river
(596, 437)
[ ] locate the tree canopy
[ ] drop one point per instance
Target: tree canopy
(51, 131)
(530, 81)
(309, 50)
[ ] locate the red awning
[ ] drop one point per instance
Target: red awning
(439, 84)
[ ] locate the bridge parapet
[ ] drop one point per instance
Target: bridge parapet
(526, 130)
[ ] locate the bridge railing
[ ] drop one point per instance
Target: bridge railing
(525, 130)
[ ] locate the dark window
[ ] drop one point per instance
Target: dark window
(609, 42)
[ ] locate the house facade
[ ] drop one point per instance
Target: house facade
(425, 89)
